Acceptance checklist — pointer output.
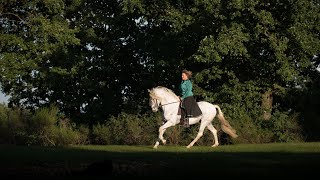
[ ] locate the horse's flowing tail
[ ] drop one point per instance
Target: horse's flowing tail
(225, 125)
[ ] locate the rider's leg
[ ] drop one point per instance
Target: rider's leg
(183, 113)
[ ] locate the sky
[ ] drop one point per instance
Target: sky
(3, 98)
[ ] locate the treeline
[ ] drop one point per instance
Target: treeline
(96, 59)
(47, 127)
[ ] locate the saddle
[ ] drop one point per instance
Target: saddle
(181, 108)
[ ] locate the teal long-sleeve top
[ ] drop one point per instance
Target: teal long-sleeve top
(186, 89)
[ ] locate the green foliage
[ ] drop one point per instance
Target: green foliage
(101, 134)
(46, 129)
(32, 34)
(132, 129)
(66, 136)
(41, 126)
(96, 60)
(13, 125)
(246, 125)
(282, 127)
(310, 117)
(286, 128)
(67, 133)
(44, 118)
(82, 137)
(20, 126)
(5, 135)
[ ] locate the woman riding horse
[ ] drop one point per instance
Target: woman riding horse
(188, 105)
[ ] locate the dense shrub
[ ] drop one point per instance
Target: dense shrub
(46, 127)
(127, 129)
(13, 125)
(43, 127)
(286, 127)
(101, 134)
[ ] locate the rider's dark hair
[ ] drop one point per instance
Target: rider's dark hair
(188, 73)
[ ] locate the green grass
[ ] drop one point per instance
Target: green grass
(254, 160)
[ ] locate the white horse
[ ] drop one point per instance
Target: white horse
(169, 102)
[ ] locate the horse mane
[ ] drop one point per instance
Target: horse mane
(168, 90)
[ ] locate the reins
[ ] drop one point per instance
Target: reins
(169, 103)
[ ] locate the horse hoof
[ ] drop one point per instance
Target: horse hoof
(215, 145)
(188, 146)
(156, 145)
(164, 141)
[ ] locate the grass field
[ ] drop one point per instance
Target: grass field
(229, 161)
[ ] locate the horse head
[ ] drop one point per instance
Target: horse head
(154, 100)
(161, 96)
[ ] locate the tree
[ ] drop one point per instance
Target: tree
(247, 55)
(33, 33)
(257, 46)
(86, 56)
(98, 58)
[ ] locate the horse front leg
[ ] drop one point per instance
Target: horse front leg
(162, 129)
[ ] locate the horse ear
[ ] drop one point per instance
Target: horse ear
(149, 91)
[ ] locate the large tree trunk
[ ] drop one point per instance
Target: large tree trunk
(267, 104)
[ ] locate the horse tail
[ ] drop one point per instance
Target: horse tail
(225, 125)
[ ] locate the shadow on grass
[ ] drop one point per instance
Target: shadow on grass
(17, 161)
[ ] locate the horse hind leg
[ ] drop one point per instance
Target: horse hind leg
(214, 132)
(199, 135)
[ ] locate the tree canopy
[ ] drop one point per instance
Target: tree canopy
(98, 58)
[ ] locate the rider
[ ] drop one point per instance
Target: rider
(188, 104)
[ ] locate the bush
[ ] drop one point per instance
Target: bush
(20, 126)
(45, 127)
(41, 126)
(128, 129)
(64, 137)
(5, 134)
(83, 135)
(101, 134)
(286, 128)
(13, 125)
(44, 118)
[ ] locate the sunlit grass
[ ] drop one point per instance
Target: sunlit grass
(270, 147)
(270, 159)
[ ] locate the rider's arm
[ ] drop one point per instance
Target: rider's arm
(184, 89)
